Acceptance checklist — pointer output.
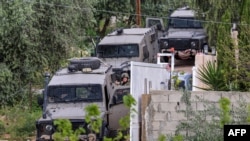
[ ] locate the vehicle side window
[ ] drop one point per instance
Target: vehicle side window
(130, 50)
(118, 97)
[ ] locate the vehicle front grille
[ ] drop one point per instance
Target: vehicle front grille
(47, 133)
(76, 125)
(179, 44)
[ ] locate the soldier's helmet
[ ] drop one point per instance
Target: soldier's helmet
(125, 75)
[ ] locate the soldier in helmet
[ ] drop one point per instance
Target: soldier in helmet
(124, 80)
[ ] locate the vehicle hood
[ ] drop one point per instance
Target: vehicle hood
(69, 110)
(185, 34)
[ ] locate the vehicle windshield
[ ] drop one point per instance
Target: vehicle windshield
(109, 51)
(185, 23)
(88, 93)
(118, 96)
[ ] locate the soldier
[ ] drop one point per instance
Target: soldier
(124, 81)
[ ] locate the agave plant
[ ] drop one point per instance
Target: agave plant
(211, 75)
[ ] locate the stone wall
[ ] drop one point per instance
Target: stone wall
(159, 109)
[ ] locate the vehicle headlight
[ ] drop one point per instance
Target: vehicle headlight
(165, 43)
(193, 44)
(89, 127)
(48, 127)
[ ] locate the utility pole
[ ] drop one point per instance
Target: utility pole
(138, 12)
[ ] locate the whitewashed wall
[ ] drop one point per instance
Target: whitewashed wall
(144, 77)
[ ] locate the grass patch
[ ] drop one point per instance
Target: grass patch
(18, 122)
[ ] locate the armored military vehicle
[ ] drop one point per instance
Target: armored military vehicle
(128, 44)
(71, 89)
(185, 34)
(119, 48)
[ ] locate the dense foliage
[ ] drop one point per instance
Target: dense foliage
(211, 120)
(212, 76)
(36, 37)
(219, 19)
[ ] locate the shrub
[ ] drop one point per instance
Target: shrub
(213, 76)
(2, 128)
(211, 120)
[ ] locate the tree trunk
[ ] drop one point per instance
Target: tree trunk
(103, 30)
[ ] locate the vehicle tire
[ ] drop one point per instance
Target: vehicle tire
(79, 64)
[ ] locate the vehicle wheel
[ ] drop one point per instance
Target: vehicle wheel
(79, 64)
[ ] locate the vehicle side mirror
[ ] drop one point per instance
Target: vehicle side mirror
(40, 100)
(159, 26)
(93, 54)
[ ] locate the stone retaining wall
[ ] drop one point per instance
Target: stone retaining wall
(159, 109)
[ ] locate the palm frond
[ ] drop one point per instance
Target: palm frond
(211, 75)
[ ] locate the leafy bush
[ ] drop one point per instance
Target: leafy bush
(7, 86)
(26, 126)
(19, 121)
(64, 126)
(213, 76)
(93, 112)
(2, 128)
(124, 122)
(162, 138)
(211, 120)
(65, 131)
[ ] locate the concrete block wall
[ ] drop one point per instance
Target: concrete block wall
(161, 116)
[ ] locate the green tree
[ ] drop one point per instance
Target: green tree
(62, 28)
(39, 35)
(105, 9)
(220, 15)
(7, 86)
(17, 48)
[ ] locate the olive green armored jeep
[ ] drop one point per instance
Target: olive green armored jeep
(184, 33)
(71, 89)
